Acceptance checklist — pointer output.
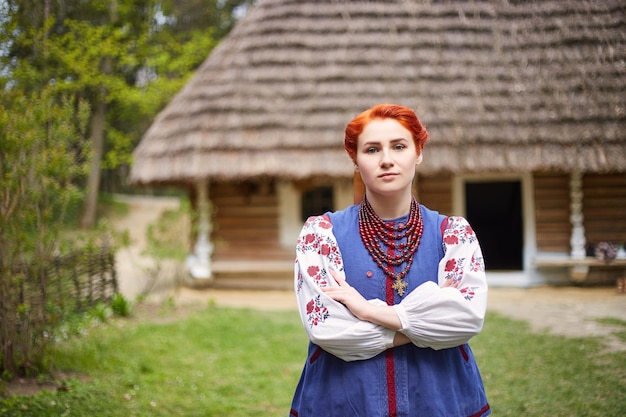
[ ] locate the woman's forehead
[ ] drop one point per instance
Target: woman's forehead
(384, 129)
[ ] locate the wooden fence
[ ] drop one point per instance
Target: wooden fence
(75, 281)
(36, 297)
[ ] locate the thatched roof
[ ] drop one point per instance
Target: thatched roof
(500, 85)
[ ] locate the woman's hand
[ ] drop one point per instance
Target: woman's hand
(381, 314)
(348, 296)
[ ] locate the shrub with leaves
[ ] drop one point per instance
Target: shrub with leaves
(43, 155)
(121, 306)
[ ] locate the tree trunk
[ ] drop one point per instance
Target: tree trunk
(88, 218)
(98, 120)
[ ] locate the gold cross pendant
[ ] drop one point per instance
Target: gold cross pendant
(399, 285)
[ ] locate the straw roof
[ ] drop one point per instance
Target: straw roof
(500, 85)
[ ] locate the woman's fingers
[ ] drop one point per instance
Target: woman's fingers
(337, 293)
(338, 278)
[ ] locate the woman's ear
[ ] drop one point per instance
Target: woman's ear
(419, 159)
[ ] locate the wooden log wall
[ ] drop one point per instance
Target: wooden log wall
(604, 208)
(435, 192)
(245, 221)
(552, 210)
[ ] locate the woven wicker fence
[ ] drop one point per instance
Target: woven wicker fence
(36, 297)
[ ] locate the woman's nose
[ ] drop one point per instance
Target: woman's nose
(385, 159)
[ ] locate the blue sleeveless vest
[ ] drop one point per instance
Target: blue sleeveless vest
(404, 381)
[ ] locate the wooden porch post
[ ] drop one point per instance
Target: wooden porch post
(577, 239)
(199, 262)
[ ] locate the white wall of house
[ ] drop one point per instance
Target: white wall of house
(289, 207)
(343, 195)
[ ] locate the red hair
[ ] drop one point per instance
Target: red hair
(403, 115)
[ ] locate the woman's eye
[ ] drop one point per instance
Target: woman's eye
(372, 150)
(399, 147)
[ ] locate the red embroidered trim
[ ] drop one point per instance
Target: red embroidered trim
(464, 352)
(391, 384)
(389, 293)
(293, 413)
(481, 412)
(391, 374)
(315, 355)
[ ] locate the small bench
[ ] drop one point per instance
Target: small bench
(579, 267)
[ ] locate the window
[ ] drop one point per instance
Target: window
(317, 201)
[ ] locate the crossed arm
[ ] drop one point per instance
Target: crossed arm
(380, 314)
(436, 315)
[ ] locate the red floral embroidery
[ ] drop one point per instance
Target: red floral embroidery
(313, 270)
(316, 239)
(299, 280)
(454, 272)
(451, 240)
(458, 232)
(325, 224)
(468, 292)
(450, 265)
(477, 264)
(316, 311)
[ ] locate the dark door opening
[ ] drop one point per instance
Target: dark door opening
(494, 209)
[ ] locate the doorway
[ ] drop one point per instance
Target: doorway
(494, 209)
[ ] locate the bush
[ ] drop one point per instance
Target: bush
(120, 305)
(43, 154)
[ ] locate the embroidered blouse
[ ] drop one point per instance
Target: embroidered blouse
(443, 309)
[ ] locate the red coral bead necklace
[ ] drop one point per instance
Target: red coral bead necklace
(390, 244)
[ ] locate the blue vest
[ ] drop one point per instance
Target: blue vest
(409, 380)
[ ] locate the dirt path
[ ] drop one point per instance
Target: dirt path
(569, 311)
(137, 272)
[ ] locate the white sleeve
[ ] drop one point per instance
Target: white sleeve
(328, 323)
(451, 312)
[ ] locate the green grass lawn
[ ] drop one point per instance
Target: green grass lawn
(237, 362)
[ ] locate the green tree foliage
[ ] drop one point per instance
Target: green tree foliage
(80, 81)
(42, 155)
(127, 58)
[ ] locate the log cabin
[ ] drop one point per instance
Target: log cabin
(524, 103)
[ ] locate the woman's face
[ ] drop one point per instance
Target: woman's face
(386, 158)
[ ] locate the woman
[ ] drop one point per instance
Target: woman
(389, 291)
